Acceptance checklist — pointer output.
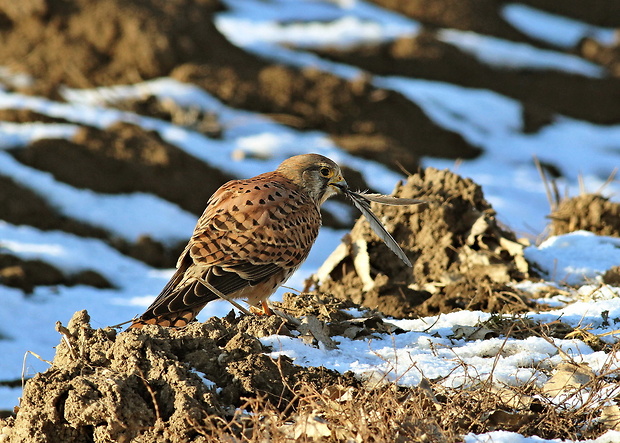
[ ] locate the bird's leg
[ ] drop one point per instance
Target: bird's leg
(210, 287)
(266, 308)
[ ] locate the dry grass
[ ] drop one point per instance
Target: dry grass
(397, 414)
(379, 411)
(336, 413)
(430, 412)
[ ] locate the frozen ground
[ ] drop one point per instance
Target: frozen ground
(506, 172)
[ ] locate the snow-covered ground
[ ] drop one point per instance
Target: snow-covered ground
(563, 32)
(506, 171)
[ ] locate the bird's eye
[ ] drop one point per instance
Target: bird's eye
(326, 172)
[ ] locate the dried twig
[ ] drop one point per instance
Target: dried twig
(545, 180)
(211, 288)
(24, 365)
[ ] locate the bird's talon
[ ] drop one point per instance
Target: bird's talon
(263, 310)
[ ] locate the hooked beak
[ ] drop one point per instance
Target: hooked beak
(339, 183)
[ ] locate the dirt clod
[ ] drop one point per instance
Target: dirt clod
(588, 212)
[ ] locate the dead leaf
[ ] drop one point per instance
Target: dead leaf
(427, 390)
(516, 250)
(361, 261)
(473, 333)
(357, 328)
(512, 399)
(610, 417)
(568, 378)
(479, 227)
(339, 393)
(312, 328)
(309, 426)
(341, 252)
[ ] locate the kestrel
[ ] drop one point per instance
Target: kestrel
(252, 236)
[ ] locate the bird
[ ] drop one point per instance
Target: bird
(252, 236)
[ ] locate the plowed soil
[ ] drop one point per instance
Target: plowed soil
(159, 384)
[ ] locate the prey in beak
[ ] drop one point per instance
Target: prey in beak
(362, 200)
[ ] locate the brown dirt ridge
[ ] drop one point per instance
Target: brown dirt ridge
(151, 385)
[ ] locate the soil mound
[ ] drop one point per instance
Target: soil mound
(458, 250)
(22, 206)
(426, 56)
(158, 384)
(588, 212)
(475, 15)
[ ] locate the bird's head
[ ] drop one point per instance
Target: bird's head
(315, 174)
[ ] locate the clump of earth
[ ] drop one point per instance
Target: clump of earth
(588, 212)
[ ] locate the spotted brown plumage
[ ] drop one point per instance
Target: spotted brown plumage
(252, 236)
